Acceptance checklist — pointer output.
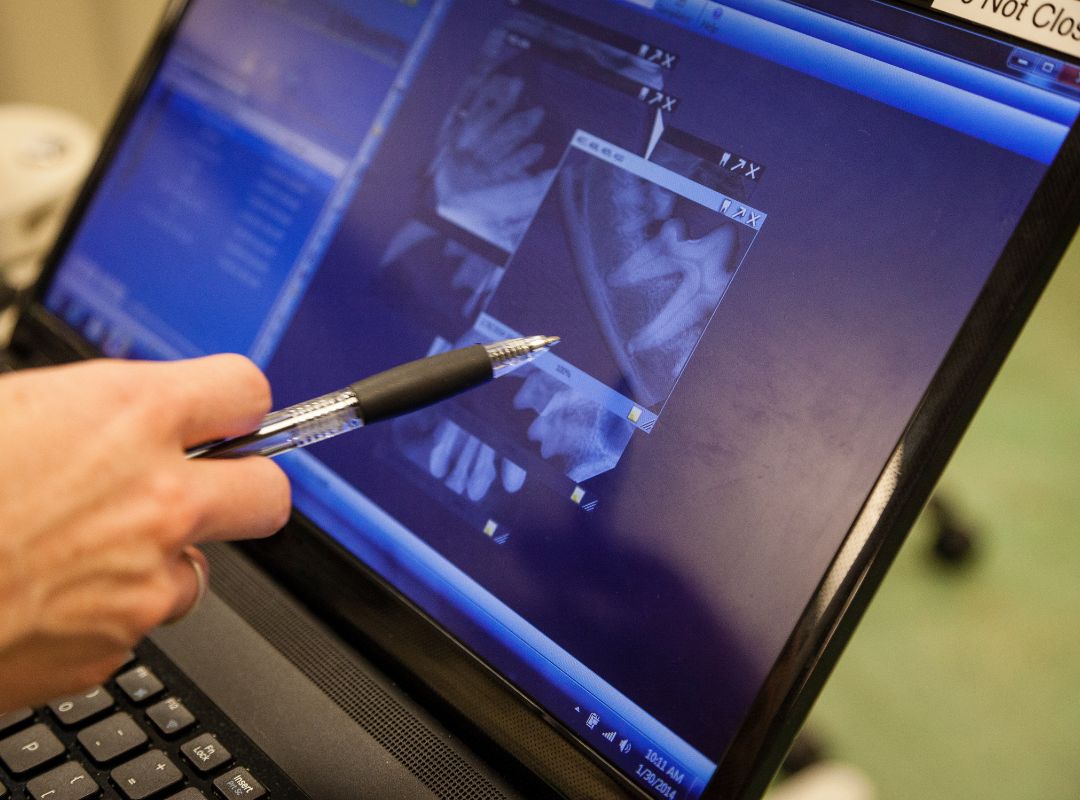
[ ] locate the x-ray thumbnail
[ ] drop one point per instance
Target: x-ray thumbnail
(581, 436)
(425, 265)
(535, 426)
(628, 261)
(488, 178)
(499, 145)
(458, 469)
(448, 454)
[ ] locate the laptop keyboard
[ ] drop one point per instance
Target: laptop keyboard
(146, 733)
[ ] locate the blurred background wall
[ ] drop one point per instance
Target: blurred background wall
(75, 54)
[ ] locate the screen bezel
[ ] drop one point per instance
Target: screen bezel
(481, 703)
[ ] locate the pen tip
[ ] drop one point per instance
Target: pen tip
(549, 341)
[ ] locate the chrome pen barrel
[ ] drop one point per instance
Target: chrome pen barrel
(388, 394)
(289, 428)
(509, 354)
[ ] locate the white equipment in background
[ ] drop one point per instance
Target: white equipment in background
(44, 155)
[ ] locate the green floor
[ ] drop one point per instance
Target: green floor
(967, 684)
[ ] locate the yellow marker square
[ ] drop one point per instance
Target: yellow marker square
(490, 527)
(577, 494)
(634, 415)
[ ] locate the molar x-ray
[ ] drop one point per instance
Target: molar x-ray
(570, 428)
(629, 261)
(481, 178)
(499, 146)
(584, 436)
(653, 271)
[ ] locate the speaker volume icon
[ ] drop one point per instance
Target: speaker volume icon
(624, 746)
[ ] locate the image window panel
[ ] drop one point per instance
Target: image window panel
(629, 260)
(499, 145)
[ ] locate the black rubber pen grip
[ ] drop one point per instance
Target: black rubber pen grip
(420, 383)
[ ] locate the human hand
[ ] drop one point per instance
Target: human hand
(99, 508)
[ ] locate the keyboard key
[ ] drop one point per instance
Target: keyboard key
(170, 716)
(72, 709)
(189, 793)
(205, 753)
(112, 738)
(10, 720)
(29, 749)
(238, 782)
(67, 782)
(139, 683)
(146, 776)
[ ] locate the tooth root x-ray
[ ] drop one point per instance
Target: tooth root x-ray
(460, 461)
(481, 178)
(486, 177)
(475, 274)
(498, 145)
(442, 272)
(585, 437)
(651, 282)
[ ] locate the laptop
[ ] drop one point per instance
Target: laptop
(786, 245)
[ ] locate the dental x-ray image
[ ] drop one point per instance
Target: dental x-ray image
(547, 431)
(652, 285)
(425, 265)
(645, 258)
(512, 220)
(462, 462)
(583, 436)
(481, 178)
(499, 146)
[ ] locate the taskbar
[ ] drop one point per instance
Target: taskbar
(593, 711)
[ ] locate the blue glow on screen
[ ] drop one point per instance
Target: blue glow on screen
(757, 229)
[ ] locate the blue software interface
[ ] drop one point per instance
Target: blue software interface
(756, 225)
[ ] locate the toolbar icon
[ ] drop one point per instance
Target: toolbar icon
(624, 746)
(1021, 61)
(592, 721)
(609, 735)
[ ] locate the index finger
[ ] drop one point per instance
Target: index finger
(216, 397)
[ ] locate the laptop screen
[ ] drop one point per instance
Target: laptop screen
(756, 225)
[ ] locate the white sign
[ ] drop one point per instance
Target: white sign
(1051, 23)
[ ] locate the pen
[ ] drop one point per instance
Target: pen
(396, 391)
